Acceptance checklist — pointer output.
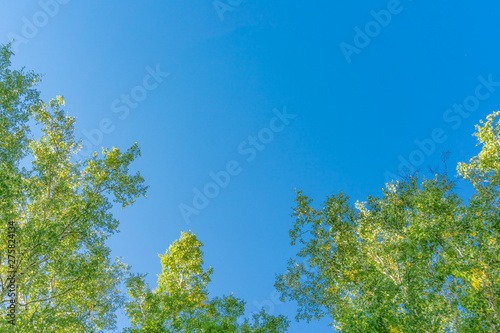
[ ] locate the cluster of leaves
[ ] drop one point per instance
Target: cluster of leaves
(180, 303)
(416, 259)
(65, 280)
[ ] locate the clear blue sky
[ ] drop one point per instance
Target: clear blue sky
(358, 100)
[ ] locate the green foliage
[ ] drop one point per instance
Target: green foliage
(181, 303)
(60, 209)
(66, 281)
(416, 259)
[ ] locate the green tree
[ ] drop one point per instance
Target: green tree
(59, 214)
(180, 303)
(417, 259)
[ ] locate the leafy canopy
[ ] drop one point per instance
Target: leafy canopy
(417, 259)
(65, 279)
(180, 303)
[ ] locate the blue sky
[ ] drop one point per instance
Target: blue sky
(366, 85)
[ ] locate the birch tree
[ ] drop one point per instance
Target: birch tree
(180, 303)
(56, 273)
(419, 258)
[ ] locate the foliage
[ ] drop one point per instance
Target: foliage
(65, 280)
(57, 213)
(417, 259)
(181, 303)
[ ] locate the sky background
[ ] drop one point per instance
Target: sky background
(357, 114)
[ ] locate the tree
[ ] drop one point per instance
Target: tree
(417, 259)
(55, 215)
(180, 303)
